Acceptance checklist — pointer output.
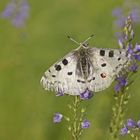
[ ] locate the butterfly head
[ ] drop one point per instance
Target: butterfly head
(84, 45)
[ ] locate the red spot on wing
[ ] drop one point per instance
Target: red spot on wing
(103, 75)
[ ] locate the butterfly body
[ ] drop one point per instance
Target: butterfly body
(85, 68)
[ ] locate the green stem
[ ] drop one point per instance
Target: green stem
(118, 113)
(133, 136)
(76, 119)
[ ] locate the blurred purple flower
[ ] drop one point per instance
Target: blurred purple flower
(135, 14)
(85, 124)
(57, 117)
(130, 123)
(124, 131)
(86, 95)
(137, 57)
(120, 22)
(121, 82)
(133, 11)
(137, 48)
(134, 51)
(117, 12)
(133, 68)
(8, 11)
(128, 8)
(16, 12)
(117, 87)
(130, 50)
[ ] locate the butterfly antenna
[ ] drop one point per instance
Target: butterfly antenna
(88, 38)
(73, 40)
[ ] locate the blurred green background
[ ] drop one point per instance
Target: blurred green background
(26, 110)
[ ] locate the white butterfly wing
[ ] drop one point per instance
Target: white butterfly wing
(107, 63)
(61, 77)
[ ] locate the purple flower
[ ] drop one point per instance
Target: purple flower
(16, 12)
(133, 68)
(133, 52)
(137, 57)
(8, 11)
(127, 9)
(135, 12)
(137, 47)
(117, 12)
(85, 124)
(130, 123)
(57, 117)
(121, 82)
(86, 95)
(130, 50)
(138, 124)
(17, 21)
(120, 22)
(22, 14)
(124, 131)
(117, 87)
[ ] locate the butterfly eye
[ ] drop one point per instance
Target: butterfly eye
(85, 45)
(103, 75)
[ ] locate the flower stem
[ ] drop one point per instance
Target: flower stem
(122, 97)
(76, 121)
(121, 100)
(133, 136)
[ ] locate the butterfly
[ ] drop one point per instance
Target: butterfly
(85, 68)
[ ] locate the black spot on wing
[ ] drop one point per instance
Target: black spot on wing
(103, 65)
(65, 61)
(79, 81)
(57, 67)
(53, 75)
(102, 52)
(119, 59)
(69, 73)
(111, 53)
(91, 79)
